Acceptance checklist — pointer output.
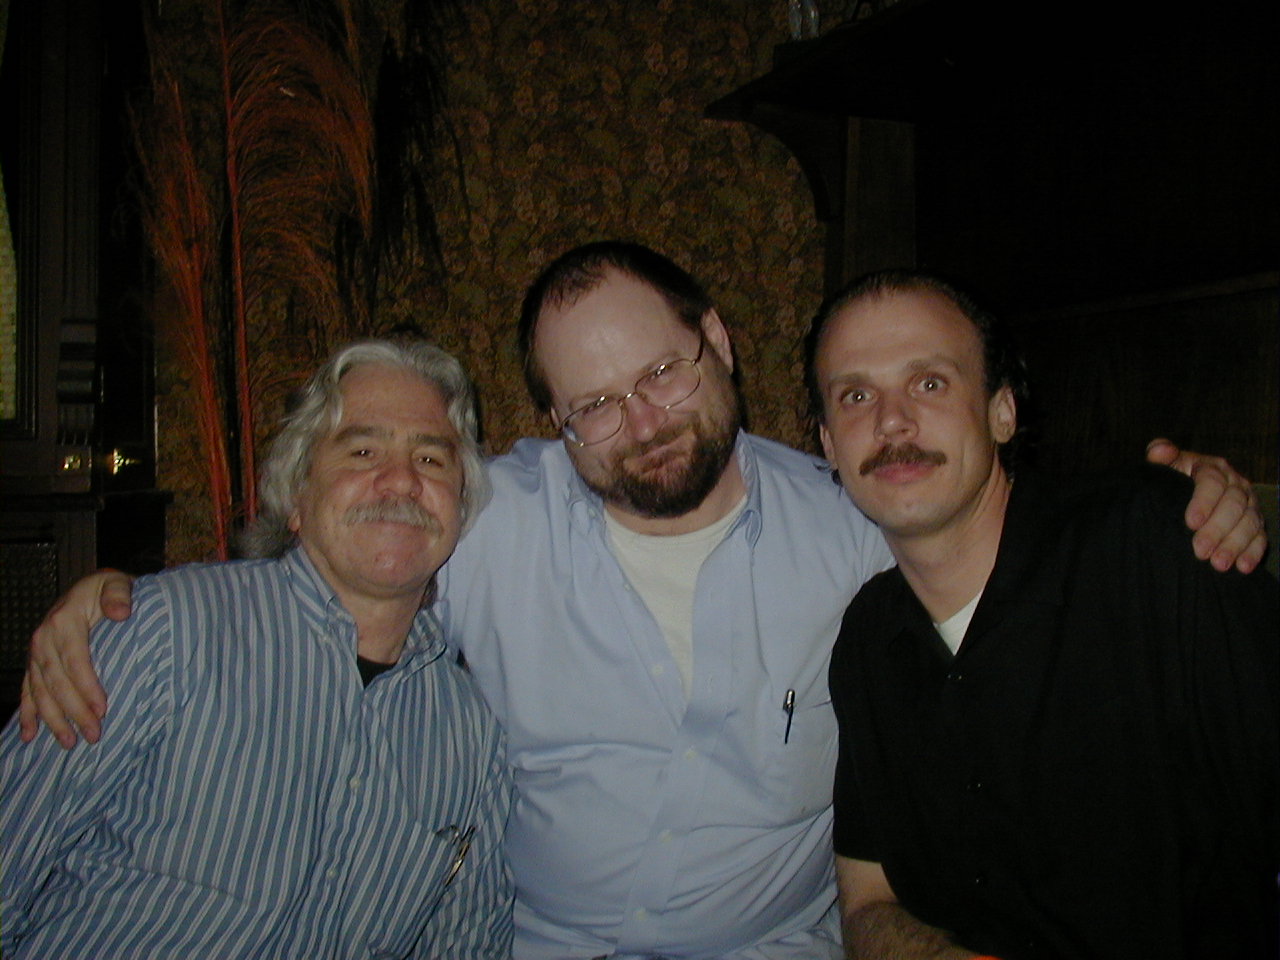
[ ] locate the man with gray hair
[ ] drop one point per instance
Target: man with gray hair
(294, 764)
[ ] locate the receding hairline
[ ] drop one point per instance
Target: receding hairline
(877, 295)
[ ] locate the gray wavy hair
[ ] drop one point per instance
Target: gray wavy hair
(318, 410)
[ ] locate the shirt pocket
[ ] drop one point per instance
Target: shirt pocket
(406, 885)
(802, 755)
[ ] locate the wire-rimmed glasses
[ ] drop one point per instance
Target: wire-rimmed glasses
(662, 387)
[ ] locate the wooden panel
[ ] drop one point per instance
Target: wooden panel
(1199, 366)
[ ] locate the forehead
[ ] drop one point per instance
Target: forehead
(392, 398)
(617, 330)
(897, 327)
(620, 305)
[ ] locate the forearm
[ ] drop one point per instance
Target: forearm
(886, 931)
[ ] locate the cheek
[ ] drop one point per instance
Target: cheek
(589, 460)
(849, 436)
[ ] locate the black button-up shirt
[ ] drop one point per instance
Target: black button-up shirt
(1096, 772)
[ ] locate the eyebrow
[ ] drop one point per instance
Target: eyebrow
(356, 431)
(917, 366)
(578, 402)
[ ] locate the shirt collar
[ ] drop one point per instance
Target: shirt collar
(327, 617)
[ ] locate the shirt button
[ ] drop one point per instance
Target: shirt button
(980, 880)
(665, 836)
(977, 785)
(642, 913)
(354, 783)
(690, 754)
(331, 874)
(657, 670)
(955, 676)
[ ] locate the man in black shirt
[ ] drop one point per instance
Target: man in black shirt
(1060, 733)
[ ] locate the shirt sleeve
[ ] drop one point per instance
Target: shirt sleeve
(1223, 679)
(474, 918)
(52, 797)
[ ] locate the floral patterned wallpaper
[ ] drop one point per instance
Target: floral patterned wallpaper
(578, 120)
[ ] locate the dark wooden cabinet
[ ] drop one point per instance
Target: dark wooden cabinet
(77, 464)
(1106, 175)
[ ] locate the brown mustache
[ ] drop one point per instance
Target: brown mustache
(665, 434)
(392, 511)
(903, 453)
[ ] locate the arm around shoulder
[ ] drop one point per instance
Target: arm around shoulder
(1223, 511)
(60, 686)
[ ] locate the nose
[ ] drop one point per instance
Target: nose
(398, 476)
(895, 418)
(642, 418)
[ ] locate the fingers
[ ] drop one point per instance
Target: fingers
(1246, 544)
(117, 594)
(1163, 451)
(28, 723)
(60, 687)
(1216, 502)
(48, 693)
(1223, 511)
(1226, 520)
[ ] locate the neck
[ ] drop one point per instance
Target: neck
(717, 504)
(948, 567)
(381, 626)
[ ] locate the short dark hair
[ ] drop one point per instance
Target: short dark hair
(581, 270)
(1003, 362)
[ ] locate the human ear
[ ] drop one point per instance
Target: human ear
(717, 336)
(1002, 415)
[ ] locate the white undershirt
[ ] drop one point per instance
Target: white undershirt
(953, 629)
(664, 571)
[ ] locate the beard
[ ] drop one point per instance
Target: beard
(669, 489)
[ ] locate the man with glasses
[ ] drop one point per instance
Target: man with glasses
(649, 608)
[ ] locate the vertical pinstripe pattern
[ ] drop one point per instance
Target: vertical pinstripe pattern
(249, 798)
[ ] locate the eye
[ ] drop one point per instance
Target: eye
(932, 384)
(434, 458)
(594, 407)
(361, 452)
(658, 373)
(854, 396)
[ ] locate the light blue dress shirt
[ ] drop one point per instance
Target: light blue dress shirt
(644, 825)
(249, 798)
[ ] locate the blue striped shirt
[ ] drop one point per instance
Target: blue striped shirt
(250, 798)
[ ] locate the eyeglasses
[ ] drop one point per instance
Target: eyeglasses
(662, 387)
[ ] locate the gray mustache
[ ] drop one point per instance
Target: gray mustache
(392, 511)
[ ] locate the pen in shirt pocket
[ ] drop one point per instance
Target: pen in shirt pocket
(789, 708)
(462, 846)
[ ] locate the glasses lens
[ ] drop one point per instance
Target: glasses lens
(670, 383)
(664, 387)
(593, 423)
